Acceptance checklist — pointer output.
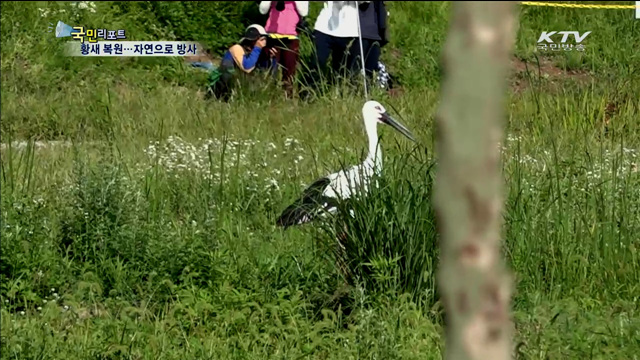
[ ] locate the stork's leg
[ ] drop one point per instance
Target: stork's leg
(341, 255)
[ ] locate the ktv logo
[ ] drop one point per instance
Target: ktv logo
(546, 36)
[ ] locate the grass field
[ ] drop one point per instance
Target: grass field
(149, 233)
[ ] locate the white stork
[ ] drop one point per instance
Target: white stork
(322, 195)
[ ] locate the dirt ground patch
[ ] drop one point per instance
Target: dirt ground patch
(552, 78)
(204, 56)
(546, 71)
(201, 58)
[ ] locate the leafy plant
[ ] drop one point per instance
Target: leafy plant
(386, 239)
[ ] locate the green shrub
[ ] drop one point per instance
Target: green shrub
(389, 243)
(216, 24)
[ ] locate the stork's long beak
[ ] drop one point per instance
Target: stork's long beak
(387, 119)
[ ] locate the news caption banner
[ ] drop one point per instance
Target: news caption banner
(92, 43)
(134, 48)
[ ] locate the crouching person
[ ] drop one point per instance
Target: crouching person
(243, 57)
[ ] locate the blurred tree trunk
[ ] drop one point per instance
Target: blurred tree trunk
(475, 283)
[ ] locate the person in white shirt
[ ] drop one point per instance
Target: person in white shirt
(335, 29)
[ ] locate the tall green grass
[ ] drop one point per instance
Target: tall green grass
(384, 238)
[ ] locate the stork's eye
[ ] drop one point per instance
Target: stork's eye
(378, 108)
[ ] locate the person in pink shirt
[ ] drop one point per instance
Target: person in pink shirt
(282, 26)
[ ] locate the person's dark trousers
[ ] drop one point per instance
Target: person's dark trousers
(287, 57)
(325, 45)
(371, 50)
(224, 86)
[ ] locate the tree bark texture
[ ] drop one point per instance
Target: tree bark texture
(474, 281)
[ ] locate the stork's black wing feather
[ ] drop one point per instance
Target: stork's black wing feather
(310, 204)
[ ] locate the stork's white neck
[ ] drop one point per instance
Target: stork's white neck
(375, 153)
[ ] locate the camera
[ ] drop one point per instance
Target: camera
(272, 42)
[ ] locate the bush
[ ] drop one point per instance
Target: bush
(216, 25)
(389, 244)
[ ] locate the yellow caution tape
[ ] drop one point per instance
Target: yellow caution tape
(584, 6)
